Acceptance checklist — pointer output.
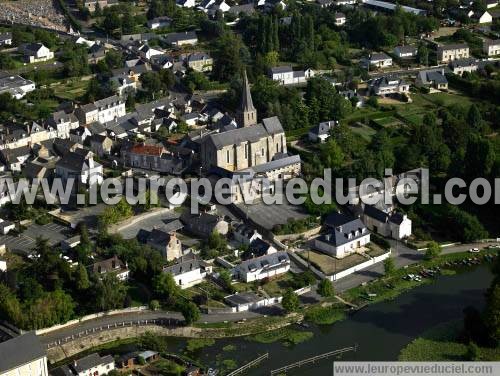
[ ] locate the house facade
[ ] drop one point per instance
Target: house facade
(35, 52)
(461, 66)
(405, 52)
(450, 52)
(81, 167)
(491, 47)
(189, 271)
(16, 86)
(380, 60)
(387, 223)
(23, 356)
(434, 78)
(263, 267)
(113, 266)
(285, 75)
(387, 85)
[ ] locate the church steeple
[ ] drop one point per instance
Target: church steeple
(247, 115)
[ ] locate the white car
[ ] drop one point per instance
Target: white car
(474, 250)
(494, 246)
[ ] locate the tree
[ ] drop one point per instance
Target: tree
(226, 280)
(433, 250)
(473, 352)
(151, 83)
(109, 293)
(165, 287)
(191, 312)
(389, 266)
(290, 301)
(154, 305)
(423, 54)
(230, 56)
(474, 117)
(325, 288)
(492, 311)
(81, 278)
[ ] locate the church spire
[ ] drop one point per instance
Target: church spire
(247, 113)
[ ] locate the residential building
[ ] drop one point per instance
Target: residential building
(285, 75)
(80, 165)
(491, 4)
(204, 224)
(325, 3)
(321, 132)
(380, 60)
(189, 271)
(245, 235)
(87, 113)
(181, 39)
(100, 145)
(162, 61)
(63, 123)
(6, 226)
(200, 61)
(91, 365)
(159, 22)
(258, 248)
(186, 3)
(460, 66)
(345, 235)
(6, 39)
(154, 158)
(246, 301)
(96, 53)
(166, 242)
(109, 108)
(147, 52)
(389, 223)
(35, 52)
(340, 19)
(482, 17)
(124, 86)
(92, 5)
(433, 78)
(16, 86)
(113, 266)
(387, 6)
(23, 356)
(405, 52)
(451, 52)
(15, 158)
(387, 85)
(491, 47)
(263, 267)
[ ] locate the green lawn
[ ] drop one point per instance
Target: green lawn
(71, 89)
(363, 130)
(276, 286)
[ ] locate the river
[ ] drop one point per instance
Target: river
(381, 330)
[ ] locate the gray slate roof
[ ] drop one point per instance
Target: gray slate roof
(20, 350)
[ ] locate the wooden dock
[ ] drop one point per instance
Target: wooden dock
(313, 359)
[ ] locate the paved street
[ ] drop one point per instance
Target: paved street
(148, 224)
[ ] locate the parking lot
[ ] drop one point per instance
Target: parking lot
(25, 242)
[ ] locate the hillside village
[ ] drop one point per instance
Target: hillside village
(269, 90)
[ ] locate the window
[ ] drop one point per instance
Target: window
(262, 152)
(246, 151)
(227, 156)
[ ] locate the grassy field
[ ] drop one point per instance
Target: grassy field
(440, 344)
(364, 131)
(70, 90)
(276, 286)
(330, 265)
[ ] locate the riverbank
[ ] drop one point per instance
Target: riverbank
(441, 344)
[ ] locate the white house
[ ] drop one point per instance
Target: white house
(482, 18)
(340, 19)
(491, 4)
(6, 226)
(321, 132)
(181, 39)
(285, 75)
(380, 60)
(91, 365)
(110, 108)
(23, 355)
(189, 271)
(82, 40)
(405, 52)
(346, 235)
(124, 85)
(63, 123)
(491, 47)
(147, 52)
(5, 39)
(16, 86)
(266, 266)
(387, 223)
(461, 66)
(387, 85)
(451, 52)
(36, 52)
(113, 266)
(159, 22)
(81, 167)
(245, 235)
(186, 3)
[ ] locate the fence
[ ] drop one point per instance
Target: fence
(123, 324)
(363, 265)
(90, 317)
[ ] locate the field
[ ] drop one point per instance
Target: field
(70, 90)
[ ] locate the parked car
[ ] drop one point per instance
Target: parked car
(474, 250)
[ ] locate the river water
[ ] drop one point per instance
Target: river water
(380, 330)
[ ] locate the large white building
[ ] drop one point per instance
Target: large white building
(287, 76)
(91, 365)
(16, 86)
(387, 85)
(36, 52)
(103, 110)
(23, 356)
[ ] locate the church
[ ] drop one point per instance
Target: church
(251, 149)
